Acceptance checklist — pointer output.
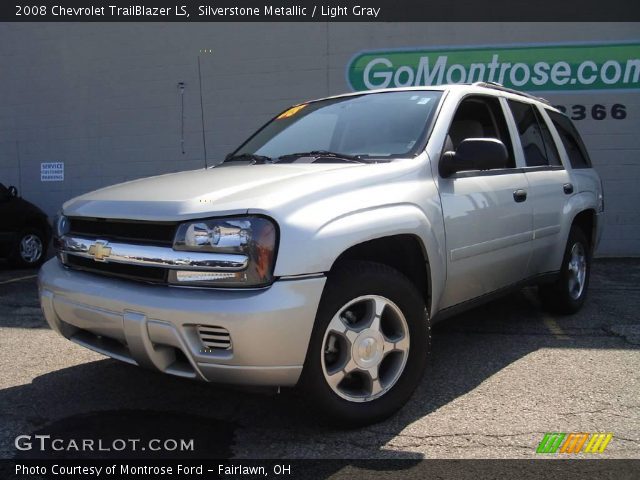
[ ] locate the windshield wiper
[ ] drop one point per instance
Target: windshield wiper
(248, 157)
(321, 154)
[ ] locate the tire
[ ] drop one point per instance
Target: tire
(396, 352)
(30, 249)
(568, 293)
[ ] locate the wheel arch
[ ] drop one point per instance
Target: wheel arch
(405, 253)
(586, 221)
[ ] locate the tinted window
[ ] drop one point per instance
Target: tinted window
(550, 145)
(571, 140)
(479, 117)
(391, 124)
(537, 144)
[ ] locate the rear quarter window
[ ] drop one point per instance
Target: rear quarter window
(573, 144)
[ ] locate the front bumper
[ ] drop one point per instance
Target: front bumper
(157, 326)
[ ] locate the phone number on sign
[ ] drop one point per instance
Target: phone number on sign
(616, 111)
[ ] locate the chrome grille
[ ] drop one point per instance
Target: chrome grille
(214, 338)
(147, 263)
(128, 231)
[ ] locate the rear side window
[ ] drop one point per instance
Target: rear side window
(537, 144)
(576, 151)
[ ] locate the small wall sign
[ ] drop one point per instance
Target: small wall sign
(52, 172)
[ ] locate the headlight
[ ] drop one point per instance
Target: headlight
(250, 238)
(61, 225)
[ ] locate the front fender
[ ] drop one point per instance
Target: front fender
(317, 251)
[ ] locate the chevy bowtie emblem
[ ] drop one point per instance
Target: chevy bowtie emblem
(100, 251)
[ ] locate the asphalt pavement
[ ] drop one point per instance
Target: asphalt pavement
(502, 375)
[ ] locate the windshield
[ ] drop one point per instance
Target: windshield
(387, 124)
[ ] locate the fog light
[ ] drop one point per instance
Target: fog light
(190, 276)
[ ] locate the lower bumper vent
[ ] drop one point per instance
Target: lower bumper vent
(214, 338)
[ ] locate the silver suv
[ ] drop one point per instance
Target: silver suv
(321, 251)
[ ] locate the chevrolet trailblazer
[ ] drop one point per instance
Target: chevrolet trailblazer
(319, 253)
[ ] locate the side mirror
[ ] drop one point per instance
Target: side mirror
(474, 154)
(12, 191)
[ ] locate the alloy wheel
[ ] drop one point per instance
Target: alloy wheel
(577, 269)
(365, 348)
(30, 248)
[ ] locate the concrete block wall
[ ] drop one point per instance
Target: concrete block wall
(104, 98)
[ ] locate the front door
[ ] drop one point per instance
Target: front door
(487, 218)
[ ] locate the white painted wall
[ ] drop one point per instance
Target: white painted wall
(103, 98)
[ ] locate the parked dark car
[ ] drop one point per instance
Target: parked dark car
(24, 230)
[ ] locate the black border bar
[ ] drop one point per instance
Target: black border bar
(319, 11)
(338, 469)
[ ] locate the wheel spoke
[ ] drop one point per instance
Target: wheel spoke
(351, 335)
(335, 378)
(372, 373)
(375, 323)
(337, 325)
(350, 367)
(376, 387)
(402, 344)
(374, 381)
(379, 303)
(388, 346)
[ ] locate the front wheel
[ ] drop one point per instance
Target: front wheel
(369, 346)
(30, 249)
(568, 293)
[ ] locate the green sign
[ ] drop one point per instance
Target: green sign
(532, 68)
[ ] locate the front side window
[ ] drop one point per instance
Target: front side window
(479, 117)
(537, 144)
(377, 125)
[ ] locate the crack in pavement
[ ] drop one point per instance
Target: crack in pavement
(532, 334)
(473, 434)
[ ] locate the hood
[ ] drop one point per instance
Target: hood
(222, 190)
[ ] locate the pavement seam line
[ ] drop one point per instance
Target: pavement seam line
(554, 328)
(11, 280)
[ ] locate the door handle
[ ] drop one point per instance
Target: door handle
(520, 195)
(568, 188)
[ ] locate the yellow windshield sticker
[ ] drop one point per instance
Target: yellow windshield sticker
(291, 112)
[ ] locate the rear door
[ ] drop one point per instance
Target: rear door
(487, 215)
(549, 184)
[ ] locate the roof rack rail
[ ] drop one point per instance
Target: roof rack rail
(497, 86)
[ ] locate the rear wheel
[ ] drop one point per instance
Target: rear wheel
(568, 293)
(369, 346)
